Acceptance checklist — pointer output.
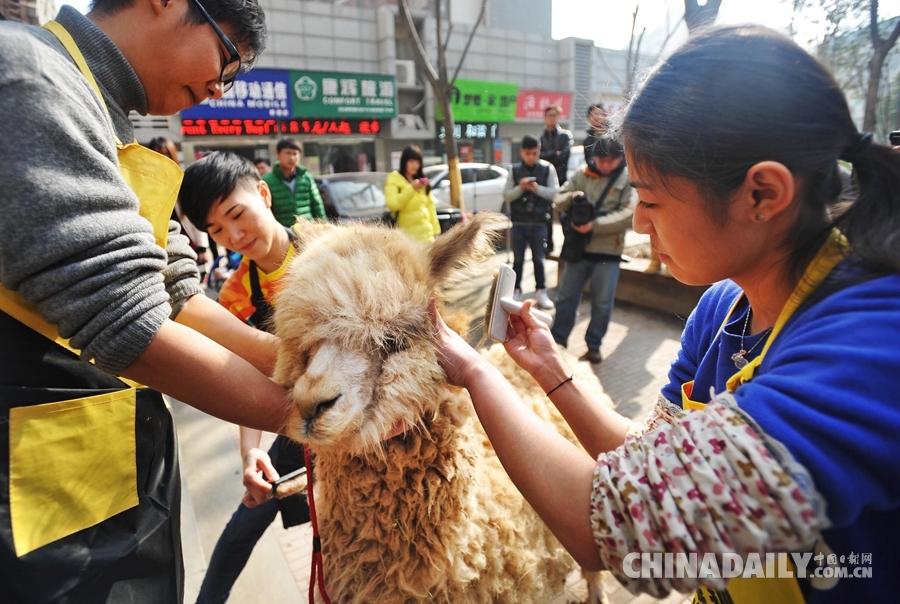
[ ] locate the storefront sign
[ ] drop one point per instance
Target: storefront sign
(231, 127)
(530, 104)
(287, 94)
(331, 94)
(463, 131)
(259, 94)
(477, 101)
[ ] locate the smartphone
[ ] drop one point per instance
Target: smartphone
(424, 181)
(894, 137)
(532, 179)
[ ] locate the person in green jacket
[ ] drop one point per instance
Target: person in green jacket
(294, 190)
(408, 195)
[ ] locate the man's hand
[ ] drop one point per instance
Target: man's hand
(259, 473)
(526, 184)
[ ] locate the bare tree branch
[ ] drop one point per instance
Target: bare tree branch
(421, 55)
(634, 64)
(610, 71)
(873, 25)
(895, 35)
(465, 51)
(629, 59)
(449, 25)
(669, 35)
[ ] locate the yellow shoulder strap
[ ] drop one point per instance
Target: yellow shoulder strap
(832, 252)
(69, 44)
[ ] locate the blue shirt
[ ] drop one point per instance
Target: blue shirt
(829, 391)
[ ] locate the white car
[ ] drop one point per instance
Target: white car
(576, 160)
(482, 185)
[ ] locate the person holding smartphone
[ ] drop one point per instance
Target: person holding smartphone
(408, 196)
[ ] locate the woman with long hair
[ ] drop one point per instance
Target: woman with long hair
(408, 196)
(773, 447)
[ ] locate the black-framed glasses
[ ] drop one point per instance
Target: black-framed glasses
(233, 65)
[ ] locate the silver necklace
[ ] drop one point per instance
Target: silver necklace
(739, 361)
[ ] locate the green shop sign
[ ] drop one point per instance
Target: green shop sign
(479, 101)
(345, 95)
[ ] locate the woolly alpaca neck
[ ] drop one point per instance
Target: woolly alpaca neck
(435, 518)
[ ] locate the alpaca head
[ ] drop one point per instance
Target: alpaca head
(357, 347)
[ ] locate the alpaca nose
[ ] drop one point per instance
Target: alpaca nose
(323, 406)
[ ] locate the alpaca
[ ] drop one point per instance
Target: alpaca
(428, 515)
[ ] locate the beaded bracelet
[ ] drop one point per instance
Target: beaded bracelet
(568, 379)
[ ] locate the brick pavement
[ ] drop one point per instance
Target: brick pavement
(637, 351)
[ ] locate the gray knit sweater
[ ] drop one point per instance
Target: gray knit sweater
(71, 238)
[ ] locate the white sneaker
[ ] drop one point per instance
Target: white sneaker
(517, 295)
(543, 300)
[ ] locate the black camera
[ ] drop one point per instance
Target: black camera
(581, 211)
(894, 138)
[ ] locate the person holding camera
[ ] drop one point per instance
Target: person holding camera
(529, 191)
(596, 207)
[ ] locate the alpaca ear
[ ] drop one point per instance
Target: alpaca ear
(464, 245)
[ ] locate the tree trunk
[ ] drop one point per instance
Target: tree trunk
(456, 197)
(442, 86)
(875, 64)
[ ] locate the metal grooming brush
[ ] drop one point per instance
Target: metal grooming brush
(290, 484)
(501, 305)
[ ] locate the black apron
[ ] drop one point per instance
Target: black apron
(135, 556)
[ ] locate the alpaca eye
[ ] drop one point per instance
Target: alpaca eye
(392, 344)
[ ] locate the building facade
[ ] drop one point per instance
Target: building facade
(35, 12)
(357, 50)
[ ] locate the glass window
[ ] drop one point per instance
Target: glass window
(351, 195)
(468, 176)
(484, 174)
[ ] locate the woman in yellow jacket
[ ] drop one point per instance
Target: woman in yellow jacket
(408, 196)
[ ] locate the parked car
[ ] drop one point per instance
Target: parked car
(576, 160)
(359, 196)
(482, 185)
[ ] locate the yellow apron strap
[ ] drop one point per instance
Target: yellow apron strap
(832, 252)
(69, 44)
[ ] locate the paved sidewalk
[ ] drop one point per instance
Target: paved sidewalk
(637, 351)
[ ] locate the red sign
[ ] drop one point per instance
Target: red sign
(217, 127)
(530, 104)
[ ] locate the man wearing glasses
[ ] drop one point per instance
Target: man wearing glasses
(91, 270)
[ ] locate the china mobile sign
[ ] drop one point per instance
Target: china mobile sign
(289, 94)
(263, 127)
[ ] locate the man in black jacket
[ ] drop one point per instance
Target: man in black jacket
(556, 142)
